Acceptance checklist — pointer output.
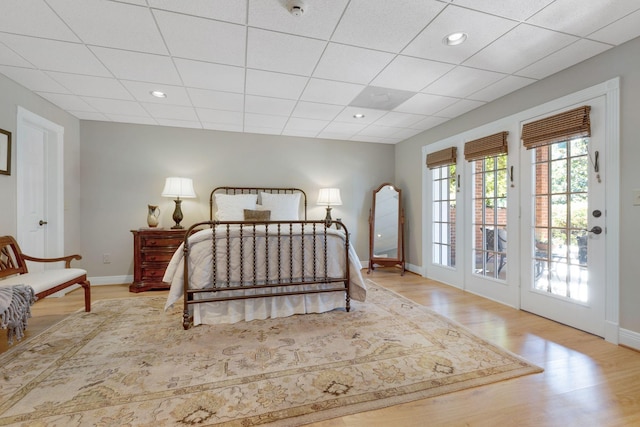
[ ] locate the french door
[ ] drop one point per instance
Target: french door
(564, 229)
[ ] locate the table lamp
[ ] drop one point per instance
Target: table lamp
(329, 197)
(178, 187)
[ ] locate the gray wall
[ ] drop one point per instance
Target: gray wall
(124, 167)
(623, 61)
(13, 95)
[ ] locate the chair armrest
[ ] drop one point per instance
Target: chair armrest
(67, 259)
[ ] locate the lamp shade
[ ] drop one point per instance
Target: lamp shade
(329, 197)
(178, 187)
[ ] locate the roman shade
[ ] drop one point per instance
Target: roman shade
(442, 157)
(491, 145)
(561, 127)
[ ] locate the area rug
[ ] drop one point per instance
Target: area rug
(129, 363)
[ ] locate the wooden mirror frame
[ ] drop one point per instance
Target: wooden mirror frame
(386, 261)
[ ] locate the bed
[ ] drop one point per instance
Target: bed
(259, 257)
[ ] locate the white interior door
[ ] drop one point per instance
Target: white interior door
(40, 188)
(564, 229)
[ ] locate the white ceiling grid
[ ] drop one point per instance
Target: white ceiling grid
(250, 66)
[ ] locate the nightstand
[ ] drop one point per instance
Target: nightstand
(152, 251)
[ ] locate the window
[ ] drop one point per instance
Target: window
(444, 215)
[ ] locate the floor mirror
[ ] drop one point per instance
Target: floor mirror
(386, 228)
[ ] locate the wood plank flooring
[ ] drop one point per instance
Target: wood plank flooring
(586, 382)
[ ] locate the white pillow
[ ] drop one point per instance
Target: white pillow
(283, 207)
(231, 206)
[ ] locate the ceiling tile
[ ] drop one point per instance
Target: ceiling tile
(271, 51)
(68, 102)
(480, 28)
(138, 66)
(9, 57)
(314, 110)
(330, 92)
(501, 88)
(300, 133)
(426, 104)
(403, 134)
(222, 126)
(100, 87)
(262, 130)
(216, 100)
(34, 80)
(111, 24)
(277, 85)
(351, 64)
(411, 74)
(383, 24)
(370, 115)
(318, 21)
(620, 31)
(33, 18)
(572, 54)
(459, 108)
(88, 115)
(179, 123)
(428, 123)
(309, 125)
(205, 75)
(264, 105)
(176, 95)
(519, 48)
(379, 131)
(202, 39)
(52, 55)
(571, 16)
(223, 10)
(396, 119)
(343, 128)
(218, 116)
(252, 120)
(115, 106)
(123, 118)
(374, 139)
(518, 10)
(462, 81)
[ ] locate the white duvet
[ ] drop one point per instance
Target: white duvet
(200, 272)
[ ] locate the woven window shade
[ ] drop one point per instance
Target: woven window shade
(561, 127)
(442, 157)
(491, 145)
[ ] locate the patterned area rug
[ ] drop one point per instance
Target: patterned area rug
(130, 363)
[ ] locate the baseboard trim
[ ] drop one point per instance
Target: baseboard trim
(111, 280)
(629, 339)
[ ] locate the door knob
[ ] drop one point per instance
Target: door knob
(42, 222)
(595, 230)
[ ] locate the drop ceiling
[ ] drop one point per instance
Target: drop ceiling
(251, 66)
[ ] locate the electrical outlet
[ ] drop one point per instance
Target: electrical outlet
(106, 258)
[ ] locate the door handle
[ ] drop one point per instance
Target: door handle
(595, 230)
(41, 223)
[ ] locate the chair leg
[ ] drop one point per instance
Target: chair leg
(87, 295)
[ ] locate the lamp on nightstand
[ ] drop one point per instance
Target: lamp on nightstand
(329, 197)
(178, 187)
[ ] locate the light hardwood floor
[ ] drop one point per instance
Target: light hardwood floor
(586, 382)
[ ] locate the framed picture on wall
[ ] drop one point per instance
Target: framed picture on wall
(5, 152)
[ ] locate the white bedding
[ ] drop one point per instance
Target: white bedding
(200, 273)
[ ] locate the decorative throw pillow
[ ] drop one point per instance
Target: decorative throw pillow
(257, 215)
(283, 207)
(231, 206)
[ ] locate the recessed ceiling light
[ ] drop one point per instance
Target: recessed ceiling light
(358, 116)
(158, 94)
(454, 39)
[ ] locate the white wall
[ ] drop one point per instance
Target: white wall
(623, 61)
(124, 167)
(12, 96)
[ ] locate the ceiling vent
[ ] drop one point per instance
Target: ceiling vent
(381, 98)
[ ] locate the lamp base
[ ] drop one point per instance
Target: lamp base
(327, 218)
(177, 215)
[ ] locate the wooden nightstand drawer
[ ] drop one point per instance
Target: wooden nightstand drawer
(152, 251)
(156, 256)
